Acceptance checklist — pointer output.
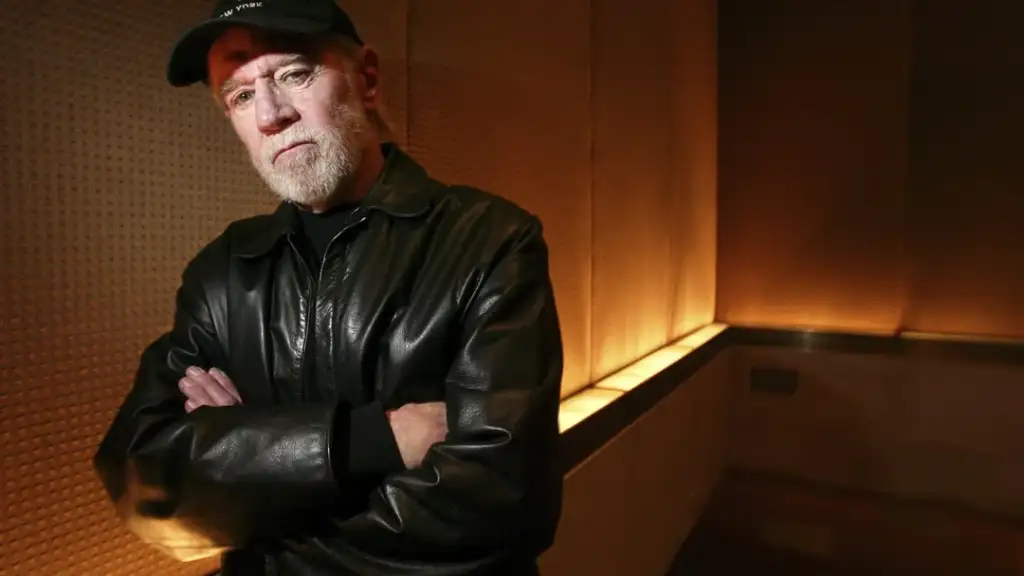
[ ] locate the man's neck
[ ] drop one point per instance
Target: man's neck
(359, 185)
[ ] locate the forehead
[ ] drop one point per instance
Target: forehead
(239, 46)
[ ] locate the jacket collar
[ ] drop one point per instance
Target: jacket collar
(400, 192)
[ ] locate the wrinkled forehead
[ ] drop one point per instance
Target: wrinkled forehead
(239, 46)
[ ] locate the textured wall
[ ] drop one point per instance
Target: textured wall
(869, 169)
(110, 182)
(598, 116)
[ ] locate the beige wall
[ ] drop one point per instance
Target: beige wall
(599, 116)
(943, 430)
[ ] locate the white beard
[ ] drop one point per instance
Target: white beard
(311, 174)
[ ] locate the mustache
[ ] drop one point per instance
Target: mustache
(284, 140)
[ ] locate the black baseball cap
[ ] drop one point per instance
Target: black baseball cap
(187, 64)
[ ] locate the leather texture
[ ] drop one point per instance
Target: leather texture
(432, 292)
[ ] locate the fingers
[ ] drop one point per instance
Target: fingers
(226, 384)
(417, 427)
(193, 387)
(202, 388)
(217, 392)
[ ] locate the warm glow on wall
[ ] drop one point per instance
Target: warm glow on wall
(844, 314)
(837, 322)
(937, 337)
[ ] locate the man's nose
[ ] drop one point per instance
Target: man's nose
(274, 111)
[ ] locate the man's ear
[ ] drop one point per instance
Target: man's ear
(368, 68)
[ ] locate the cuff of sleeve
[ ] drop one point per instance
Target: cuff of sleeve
(372, 449)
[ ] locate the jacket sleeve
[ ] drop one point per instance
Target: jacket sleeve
(492, 490)
(196, 484)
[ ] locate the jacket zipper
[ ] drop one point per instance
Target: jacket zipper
(312, 294)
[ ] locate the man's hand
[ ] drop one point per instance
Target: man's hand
(207, 388)
(417, 427)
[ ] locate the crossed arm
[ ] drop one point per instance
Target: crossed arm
(196, 481)
(416, 427)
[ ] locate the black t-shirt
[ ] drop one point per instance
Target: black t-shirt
(321, 228)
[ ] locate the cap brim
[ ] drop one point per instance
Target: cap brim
(187, 64)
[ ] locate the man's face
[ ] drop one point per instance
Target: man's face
(298, 108)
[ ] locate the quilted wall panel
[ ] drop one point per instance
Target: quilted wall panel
(693, 168)
(814, 163)
(870, 170)
(111, 181)
(964, 201)
(654, 175)
(632, 146)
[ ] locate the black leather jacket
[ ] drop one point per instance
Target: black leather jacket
(432, 293)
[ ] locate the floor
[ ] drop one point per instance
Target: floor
(864, 536)
(721, 556)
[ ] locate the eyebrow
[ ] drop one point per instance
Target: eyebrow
(232, 84)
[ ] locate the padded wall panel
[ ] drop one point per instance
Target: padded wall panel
(382, 26)
(965, 205)
(813, 166)
(632, 57)
(111, 180)
(693, 166)
(499, 100)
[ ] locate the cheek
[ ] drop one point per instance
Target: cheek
(318, 121)
(248, 134)
(310, 109)
(318, 106)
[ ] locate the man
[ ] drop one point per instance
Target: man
(367, 380)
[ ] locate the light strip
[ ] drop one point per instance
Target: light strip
(647, 367)
(582, 405)
(586, 402)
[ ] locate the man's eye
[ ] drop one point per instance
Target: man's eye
(241, 98)
(295, 76)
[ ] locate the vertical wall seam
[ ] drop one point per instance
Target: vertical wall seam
(591, 354)
(408, 74)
